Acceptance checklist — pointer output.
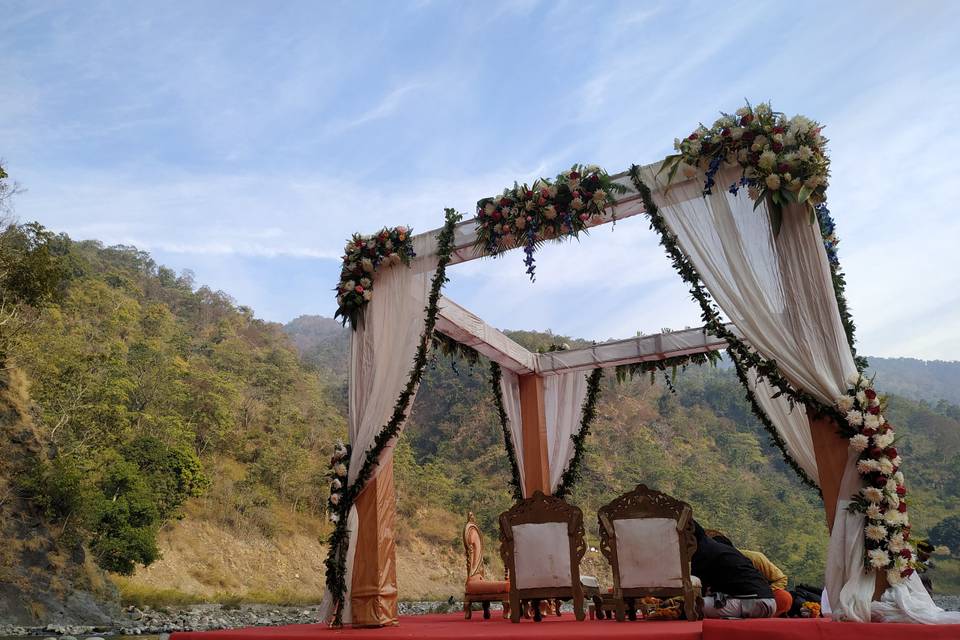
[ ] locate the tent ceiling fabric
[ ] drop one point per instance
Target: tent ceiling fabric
(469, 329)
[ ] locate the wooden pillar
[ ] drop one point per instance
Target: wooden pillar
(536, 466)
(830, 449)
(373, 595)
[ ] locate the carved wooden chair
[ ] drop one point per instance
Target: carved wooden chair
(541, 543)
(648, 538)
(477, 588)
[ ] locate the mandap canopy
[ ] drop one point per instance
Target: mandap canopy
(740, 210)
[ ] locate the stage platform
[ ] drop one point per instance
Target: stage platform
(454, 627)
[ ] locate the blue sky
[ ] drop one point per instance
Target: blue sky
(246, 140)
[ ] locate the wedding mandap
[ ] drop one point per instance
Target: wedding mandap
(740, 211)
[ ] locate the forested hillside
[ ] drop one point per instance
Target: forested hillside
(159, 429)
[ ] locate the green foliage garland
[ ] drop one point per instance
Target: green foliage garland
(515, 482)
(442, 343)
(588, 412)
(625, 371)
(775, 436)
(337, 554)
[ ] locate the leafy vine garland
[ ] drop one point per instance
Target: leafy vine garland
(634, 369)
(495, 376)
(362, 256)
(588, 411)
(549, 210)
(336, 562)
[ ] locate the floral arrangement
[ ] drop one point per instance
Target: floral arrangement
(338, 480)
(882, 499)
(550, 209)
(783, 160)
(810, 610)
(362, 256)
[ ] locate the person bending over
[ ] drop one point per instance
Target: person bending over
(771, 572)
(737, 589)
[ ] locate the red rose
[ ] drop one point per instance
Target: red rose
(544, 193)
(890, 452)
(574, 175)
(725, 132)
(747, 119)
(778, 129)
(901, 490)
(495, 215)
(529, 193)
(693, 136)
(902, 507)
(358, 289)
(874, 410)
(906, 572)
(777, 147)
(504, 202)
(875, 452)
(905, 553)
(869, 431)
(870, 393)
(879, 481)
(782, 168)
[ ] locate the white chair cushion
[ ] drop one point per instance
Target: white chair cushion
(541, 553)
(648, 552)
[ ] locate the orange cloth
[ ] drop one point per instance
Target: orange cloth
(477, 586)
(784, 601)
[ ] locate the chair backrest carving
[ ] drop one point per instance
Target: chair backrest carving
(541, 542)
(648, 538)
(473, 548)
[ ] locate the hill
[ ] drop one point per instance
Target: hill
(168, 437)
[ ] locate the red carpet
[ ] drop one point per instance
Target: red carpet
(454, 627)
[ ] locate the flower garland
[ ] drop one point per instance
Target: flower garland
(495, 376)
(548, 210)
(783, 160)
(336, 562)
(339, 465)
(588, 411)
(362, 256)
(886, 531)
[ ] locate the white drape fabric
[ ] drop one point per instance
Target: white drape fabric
(510, 388)
(382, 350)
(792, 420)
(779, 294)
(563, 396)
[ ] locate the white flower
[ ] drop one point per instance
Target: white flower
(893, 577)
(862, 398)
(773, 181)
(898, 478)
(854, 379)
(886, 467)
(334, 517)
(859, 442)
(872, 494)
(898, 461)
(845, 403)
(894, 517)
(600, 196)
(591, 168)
(767, 160)
(875, 532)
(893, 500)
(790, 139)
(334, 499)
(883, 440)
(764, 110)
(878, 558)
(368, 295)
(743, 111)
(365, 282)
(724, 122)
(737, 132)
(549, 212)
(349, 285)
(854, 418)
(883, 420)
(871, 421)
(340, 470)
(896, 543)
(891, 486)
(367, 265)
(873, 512)
(867, 466)
(336, 485)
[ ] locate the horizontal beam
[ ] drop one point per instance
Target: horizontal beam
(627, 205)
(468, 329)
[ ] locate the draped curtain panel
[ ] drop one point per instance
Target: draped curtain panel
(510, 388)
(779, 294)
(563, 396)
(381, 356)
